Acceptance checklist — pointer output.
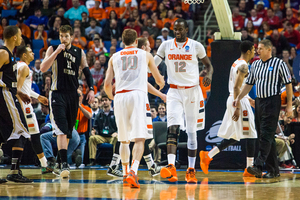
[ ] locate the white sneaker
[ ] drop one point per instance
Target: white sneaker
(81, 166)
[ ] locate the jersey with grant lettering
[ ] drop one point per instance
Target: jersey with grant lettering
(233, 74)
(182, 61)
(130, 68)
(65, 69)
(8, 72)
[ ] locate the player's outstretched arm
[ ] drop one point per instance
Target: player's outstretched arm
(108, 80)
(242, 72)
(50, 57)
(154, 91)
(208, 71)
(4, 57)
(159, 79)
(88, 76)
(23, 72)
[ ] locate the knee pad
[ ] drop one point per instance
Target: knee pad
(172, 136)
(192, 143)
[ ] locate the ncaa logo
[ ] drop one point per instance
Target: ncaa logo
(270, 68)
(212, 133)
(12, 59)
(187, 48)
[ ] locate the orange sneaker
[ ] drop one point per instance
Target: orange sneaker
(133, 180)
(190, 190)
(204, 191)
(169, 172)
(204, 161)
(247, 174)
(170, 193)
(125, 183)
(131, 193)
(190, 175)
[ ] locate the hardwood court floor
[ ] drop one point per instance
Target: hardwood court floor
(95, 184)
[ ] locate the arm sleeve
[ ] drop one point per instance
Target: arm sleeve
(285, 73)
(161, 50)
(201, 50)
(34, 94)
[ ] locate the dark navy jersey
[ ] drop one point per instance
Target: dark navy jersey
(65, 69)
(8, 72)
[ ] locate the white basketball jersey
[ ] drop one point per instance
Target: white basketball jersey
(182, 61)
(233, 74)
(26, 88)
(130, 68)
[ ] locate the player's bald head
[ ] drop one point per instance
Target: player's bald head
(182, 22)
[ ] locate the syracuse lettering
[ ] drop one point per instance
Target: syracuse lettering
(128, 52)
(179, 57)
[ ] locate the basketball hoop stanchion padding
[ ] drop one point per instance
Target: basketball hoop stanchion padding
(224, 53)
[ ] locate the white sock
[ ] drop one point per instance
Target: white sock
(192, 161)
(115, 160)
(149, 160)
(135, 166)
(249, 161)
(125, 169)
(125, 154)
(213, 152)
(43, 161)
(171, 159)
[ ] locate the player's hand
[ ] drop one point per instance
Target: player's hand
(164, 97)
(43, 100)
(236, 114)
(90, 96)
(114, 134)
(236, 104)
(24, 97)
(252, 102)
(93, 131)
(60, 48)
(292, 141)
(207, 80)
(289, 111)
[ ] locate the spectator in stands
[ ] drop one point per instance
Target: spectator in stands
(98, 47)
(168, 4)
(85, 21)
(96, 12)
(76, 11)
(149, 38)
(274, 51)
(246, 36)
(162, 11)
(113, 15)
(38, 74)
(131, 25)
(289, 17)
(153, 112)
(83, 117)
(179, 13)
(237, 19)
(26, 10)
(103, 61)
(287, 60)
(77, 24)
(95, 110)
(34, 20)
(261, 12)
(272, 19)
(54, 31)
(265, 27)
(97, 72)
(112, 6)
(113, 31)
(265, 3)
(171, 19)
(40, 34)
(133, 4)
(46, 9)
(145, 12)
(161, 113)
(151, 4)
(256, 20)
(78, 40)
(104, 129)
(242, 8)
(278, 41)
(136, 16)
(156, 22)
(153, 31)
(251, 29)
(112, 50)
(277, 11)
(24, 28)
(292, 36)
(293, 53)
(46, 87)
(60, 13)
(16, 4)
(42, 113)
(158, 42)
(90, 58)
(92, 29)
(114, 42)
(4, 23)
(164, 35)
(126, 11)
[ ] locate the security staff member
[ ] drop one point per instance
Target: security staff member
(268, 73)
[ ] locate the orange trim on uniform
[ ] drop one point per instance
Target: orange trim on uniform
(129, 47)
(199, 120)
(149, 126)
(245, 128)
(187, 39)
(180, 87)
(30, 125)
(123, 91)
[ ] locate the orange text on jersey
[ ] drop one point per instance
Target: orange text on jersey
(179, 57)
(128, 52)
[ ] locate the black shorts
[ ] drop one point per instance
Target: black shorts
(12, 119)
(63, 111)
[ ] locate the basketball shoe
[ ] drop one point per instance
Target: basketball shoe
(169, 172)
(190, 175)
(204, 161)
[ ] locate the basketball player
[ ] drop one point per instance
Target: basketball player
(24, 82)
(129, 66)
(235, 128)
(13, 125)
(184, 98)
(66, 61)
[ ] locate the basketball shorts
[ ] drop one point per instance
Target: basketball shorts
(12, 119)
(63, 111)
(241, 129)
(185, 107)
(133, 117)
(30, 117)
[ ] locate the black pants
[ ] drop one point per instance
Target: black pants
(266, 120)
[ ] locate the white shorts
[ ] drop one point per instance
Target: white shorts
(31, 120)
(133, 117)
(185, 107)
(241, 129)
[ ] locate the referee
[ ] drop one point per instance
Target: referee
(268, 73)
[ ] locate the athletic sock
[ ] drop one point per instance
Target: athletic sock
(192, 161)
(43, 161)
(213, 152)
(149, 160)
(249, 161)
(171, 158)
(135, 166)
(115, 160)
(125, 169)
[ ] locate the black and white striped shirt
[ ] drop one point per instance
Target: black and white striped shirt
(268, 77)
